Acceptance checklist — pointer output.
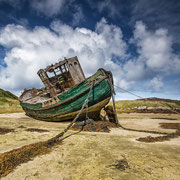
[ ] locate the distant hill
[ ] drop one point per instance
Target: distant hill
(9, 102)
(7, 94)
(152, 104)
(157, 99)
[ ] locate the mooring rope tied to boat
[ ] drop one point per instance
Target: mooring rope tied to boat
(76, 118)
(114, 107)
(20, 155)
(129, 129)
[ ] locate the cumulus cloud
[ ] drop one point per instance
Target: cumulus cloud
(158, 14)
(156, 58)
(155, 84)
(134, 70)
(107, 6)
(78, 16)
(48, 7)
(154, 47)
(30, 50)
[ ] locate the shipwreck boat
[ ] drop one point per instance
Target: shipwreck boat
(65, 91)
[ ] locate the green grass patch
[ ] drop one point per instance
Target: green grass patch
(9, 103)
(128, 106)
(7, 94)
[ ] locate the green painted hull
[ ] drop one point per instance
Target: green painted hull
(72, 100)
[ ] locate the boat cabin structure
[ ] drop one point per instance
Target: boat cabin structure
(57, 79)
(61, 76)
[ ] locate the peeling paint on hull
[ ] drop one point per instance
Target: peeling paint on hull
(93, 112)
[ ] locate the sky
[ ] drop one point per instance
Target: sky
(137, 40)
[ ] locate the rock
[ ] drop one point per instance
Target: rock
(142, 108)
(150, 108)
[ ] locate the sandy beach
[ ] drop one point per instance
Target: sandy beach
(94, 155)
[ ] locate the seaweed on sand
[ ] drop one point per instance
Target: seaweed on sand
(97, 126)
(167, 137)
(5, 131)
(120, 164)
(10, 160)
(150, 139)
(170, 125)
(164, 118)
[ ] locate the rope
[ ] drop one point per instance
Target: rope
(129, 92)
(87, 110)
(74, 120)
(163, 103)
(129, 129)
(146, 131)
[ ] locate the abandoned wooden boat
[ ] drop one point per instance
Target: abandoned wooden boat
(66, 89)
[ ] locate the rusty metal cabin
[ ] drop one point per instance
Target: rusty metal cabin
(61, 76)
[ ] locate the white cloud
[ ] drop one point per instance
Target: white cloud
(176, 65)
(113, 35)
(30, 50)
(134, 70)
(48, 7)
(78, 16)
(154, 47)
(155, 54)
(158, 14)
(155, 84)
(111, 8)
(156, 59)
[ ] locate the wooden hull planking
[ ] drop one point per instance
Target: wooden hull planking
(67, 108)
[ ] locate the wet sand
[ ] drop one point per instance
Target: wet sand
(89, 155)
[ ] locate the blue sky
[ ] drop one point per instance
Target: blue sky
(138, 40)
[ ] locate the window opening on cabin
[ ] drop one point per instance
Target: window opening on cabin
(50, 74)
(63, 68)
(61, 76)
(57, 71)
